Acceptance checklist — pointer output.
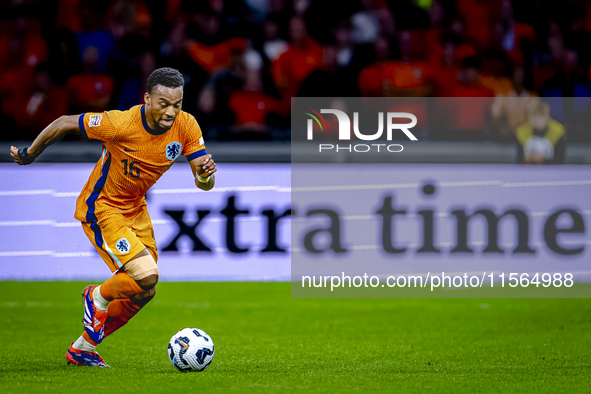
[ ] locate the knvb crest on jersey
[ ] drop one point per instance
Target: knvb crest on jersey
(95, 120)
(173, 150)
(123, 246)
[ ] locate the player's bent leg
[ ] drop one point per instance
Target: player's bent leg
(121, 311)
(95, 316)
(142, 299)
(144, 271)
(141, 275)
(97, 299)
(121, 297)
(137, 276)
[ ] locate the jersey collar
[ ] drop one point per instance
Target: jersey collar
(145, 123)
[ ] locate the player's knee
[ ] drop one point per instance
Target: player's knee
(148, 282)
(143, 298)
(143, 270)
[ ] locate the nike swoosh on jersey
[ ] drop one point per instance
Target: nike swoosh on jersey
(130, 150)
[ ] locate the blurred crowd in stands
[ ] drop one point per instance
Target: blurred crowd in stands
(243, 60)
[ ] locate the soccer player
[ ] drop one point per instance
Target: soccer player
(139, 145)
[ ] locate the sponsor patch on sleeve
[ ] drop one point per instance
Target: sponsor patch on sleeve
(95, 120)
(201, 141)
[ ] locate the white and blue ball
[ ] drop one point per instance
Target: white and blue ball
(190, 350)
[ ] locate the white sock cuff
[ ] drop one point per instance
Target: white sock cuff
(84, 345)
(99, 301)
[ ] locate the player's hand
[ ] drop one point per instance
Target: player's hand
(20, 156)
(206, 168)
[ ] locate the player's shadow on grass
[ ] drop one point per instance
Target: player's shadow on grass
(30, 367)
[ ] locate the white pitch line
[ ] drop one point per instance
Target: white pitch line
(27, 223)
(355, 187)
(225, 189)
(45, 253)
(24, 192)
(470, 183)
(549, 183)
(73, 254)
(27, 253)
(66, 224)
(294, 249)
(281, 189)
(66, 194)
(30, 223)
(154, 222)
(53, 193)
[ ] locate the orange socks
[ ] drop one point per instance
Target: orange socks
(120, 285)
(117, 290)
(120, 311)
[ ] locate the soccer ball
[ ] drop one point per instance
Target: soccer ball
(539, 145)
(190, 350)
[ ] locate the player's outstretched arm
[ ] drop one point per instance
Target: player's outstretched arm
(203, 169)
(49, 136)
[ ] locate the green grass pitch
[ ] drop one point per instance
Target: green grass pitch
(268, 342)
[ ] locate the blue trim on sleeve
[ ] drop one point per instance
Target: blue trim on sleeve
(197, 154)
(81, 125)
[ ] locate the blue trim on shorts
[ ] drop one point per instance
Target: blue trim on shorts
(98, 188)
(197, 154)
(98, 235)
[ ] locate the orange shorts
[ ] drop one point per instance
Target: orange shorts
(118, 237)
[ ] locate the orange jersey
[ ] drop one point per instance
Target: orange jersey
(134, 157)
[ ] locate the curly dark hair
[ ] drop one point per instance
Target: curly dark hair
(167, 77)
